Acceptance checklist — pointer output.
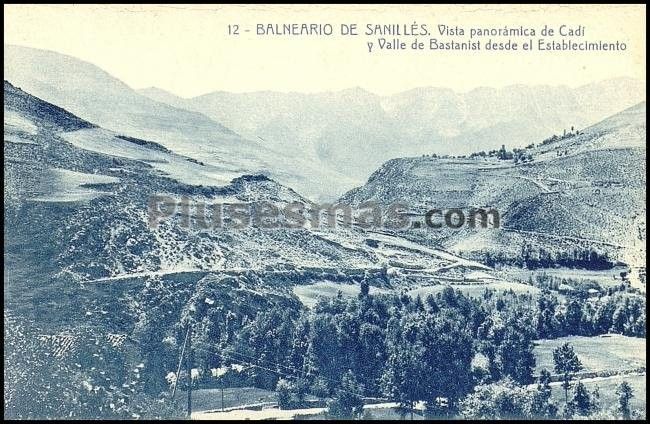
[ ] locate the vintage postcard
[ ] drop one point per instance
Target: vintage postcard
(370, 211)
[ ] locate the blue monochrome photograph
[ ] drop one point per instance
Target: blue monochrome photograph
(324, 212)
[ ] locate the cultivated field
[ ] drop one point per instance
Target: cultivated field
(475, 289)
(608, 353)
(310, 293)
(605, 278)
(607, 391)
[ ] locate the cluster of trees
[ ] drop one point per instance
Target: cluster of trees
(406, 349)
(503, 154)
(345, 402)
(480, 154)
(436, 156)
(390, 346)
(403, 348)
(621, 313)
(412, 350)
(581, 287)
(508, 400)
(576, 258)
(566, 134)
(516, 155)
(537, 257)
(520, 156)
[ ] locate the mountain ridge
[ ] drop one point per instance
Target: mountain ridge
(422, 120)
(153, 89)
(96, 96)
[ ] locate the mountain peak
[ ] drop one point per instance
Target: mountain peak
(156, 92)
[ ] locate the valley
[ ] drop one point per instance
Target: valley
(89, 282)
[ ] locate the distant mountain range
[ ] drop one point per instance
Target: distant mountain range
(354, 131)
(319, 144)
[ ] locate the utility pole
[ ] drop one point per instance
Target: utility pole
(190, 360)
(180, 363)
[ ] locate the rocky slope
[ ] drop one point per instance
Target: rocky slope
(586, 190)
(76, 218)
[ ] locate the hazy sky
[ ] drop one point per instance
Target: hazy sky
(187, 49)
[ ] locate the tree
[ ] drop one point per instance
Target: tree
(542, 407)
(448, 353)
(370, 356)
(566, 363)
(323, 356)
(348, 402)
(283, 390)
(491, 332)
(545, 321)
(625, 394)
(516, 352)
(619, 319)
(595, 400)
(403, 375)
(320, 388)
(268, 339)
(573, 317)
(581, 401)
(502, 400)
(603, 316)
(502, 153)
(365, 289)
(300, 389)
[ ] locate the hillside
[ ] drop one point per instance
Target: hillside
(76, 199)
(93, 291)
(92, 94)
(586, 191)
